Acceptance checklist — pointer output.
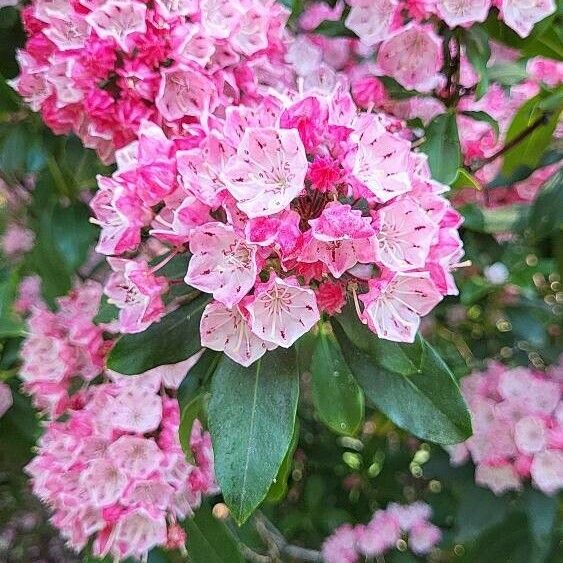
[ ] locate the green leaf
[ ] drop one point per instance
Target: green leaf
(278, 490)
(173, 339)
(394, 90)
(478, 510)
(73, 234)
(491, 220)
(428, 403)
(541, 512)
(442, 147)
(390, 355)
(209, 540)
(10, 325)
(476, 42)
(531, 148)
(466, 180)
(251, 419)
(8, 97)
(334, 29)
(507, 74)
(190, 412)
(338, 400)
(483, 116)
(546, 214)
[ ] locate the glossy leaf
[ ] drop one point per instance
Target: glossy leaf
(278, 490)
(251, 419)
(387, 354)
(173, 339)
(338, 400)
(427, 403)
(209, 539)
(530, 148)
(546, 214)
(442, 147)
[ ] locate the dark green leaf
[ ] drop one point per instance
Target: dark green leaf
(169, 341)
(465, 180)
(278, 490)
(428, 403)
(530, 148)
(541, 512)
(442, 147)
(10, 325)
(338, 400)
(8, 97)
(491, 220)
(334, 29)
(251, 418)
(546, 214)
(209, 540)
(389, 355)
(507, 74)
(73, 234)
(476, 43)
(189, 413)
(479, 509)
(394, 90)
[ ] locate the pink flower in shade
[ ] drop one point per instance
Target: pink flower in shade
(413, 57)
(349, 544)
(118, 20)
(331, 297)
(380, 534)
(137, 292)
(517, 430)
(522, 15)
(547, 471)
(5, 399)
(29, 294)
(222, 263)
(267, 172)
(340, 547)
(227, 330)
(404, 235)
(136, 409)
(372, 20)
(16, 240)
(395, 303)
(463, 12)
(423, 537)
(282, 311)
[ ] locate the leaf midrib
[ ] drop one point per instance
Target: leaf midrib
(250, 434)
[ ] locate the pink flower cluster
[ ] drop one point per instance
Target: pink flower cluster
(99, 68)
(517, 419)
(381, 20)
(114, 471)
(350, 544)
(286, 208)
(62, 346)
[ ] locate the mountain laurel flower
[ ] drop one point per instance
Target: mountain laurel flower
(517, 422)
(350, 544)
(287, 208)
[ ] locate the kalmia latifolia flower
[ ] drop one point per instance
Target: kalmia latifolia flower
(517, 419)
(287, 209)
(350, 544)
(114, 471)
(62, 346)
(99, 69)
(109, 464)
